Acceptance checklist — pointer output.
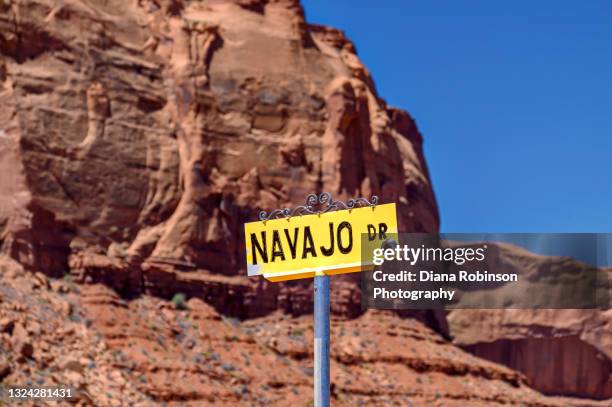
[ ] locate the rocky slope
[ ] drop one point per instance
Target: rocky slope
(147, 352)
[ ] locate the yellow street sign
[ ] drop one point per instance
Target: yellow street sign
(327, 243)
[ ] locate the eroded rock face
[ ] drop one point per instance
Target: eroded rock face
(564, 352)
(147, 132)
(560, 351)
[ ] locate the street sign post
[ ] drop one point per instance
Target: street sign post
(321, 341)
(319, 239)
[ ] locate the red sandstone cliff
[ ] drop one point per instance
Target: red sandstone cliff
(565, 352)
(153, 130)
(560, 351)
(137, 137)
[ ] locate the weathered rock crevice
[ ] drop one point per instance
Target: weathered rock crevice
(576, 369)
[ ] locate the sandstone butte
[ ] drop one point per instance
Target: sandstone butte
(136, 137)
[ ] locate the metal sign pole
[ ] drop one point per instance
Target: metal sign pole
(321, 287)
(321, 341)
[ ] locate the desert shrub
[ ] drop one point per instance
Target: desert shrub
(179, 301)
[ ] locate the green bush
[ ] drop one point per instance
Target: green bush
(179, 301)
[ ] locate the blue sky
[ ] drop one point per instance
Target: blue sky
(514, 100)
